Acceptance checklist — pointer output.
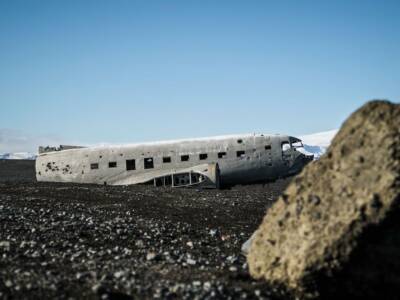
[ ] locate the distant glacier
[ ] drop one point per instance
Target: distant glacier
(318, 143)
(18, 155)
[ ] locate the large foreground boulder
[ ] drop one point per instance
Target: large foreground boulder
(336, 229)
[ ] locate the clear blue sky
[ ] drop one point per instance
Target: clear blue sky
(129, 71)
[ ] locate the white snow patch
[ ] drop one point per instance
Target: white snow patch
(18, 155)
(318, 143)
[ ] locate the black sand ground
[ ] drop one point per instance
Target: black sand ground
(87, 241)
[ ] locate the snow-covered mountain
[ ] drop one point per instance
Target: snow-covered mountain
(18, 155)
(317, 143)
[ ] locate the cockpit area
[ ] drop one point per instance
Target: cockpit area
(294, 154)
(296, 143)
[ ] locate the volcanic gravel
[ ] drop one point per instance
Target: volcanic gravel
(129, 242)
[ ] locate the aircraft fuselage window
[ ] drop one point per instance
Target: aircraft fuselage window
(285, 146)
(148, 163)
(112, 164)
(221, 154)
(297, 145)
(203, 156)
(94, 166)
(166, 159)
(184, 157)
(240, 153)
(130, 164)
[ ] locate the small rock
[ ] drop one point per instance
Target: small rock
(119, 274)
(207, 285)
(213, 232)
(150, 256)
(196, 283)
(5, 246)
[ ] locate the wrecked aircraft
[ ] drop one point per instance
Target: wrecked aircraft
(205, 162)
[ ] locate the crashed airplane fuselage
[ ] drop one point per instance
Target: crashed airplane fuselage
(205, 162)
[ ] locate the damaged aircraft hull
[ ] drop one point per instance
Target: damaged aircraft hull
(206, 162)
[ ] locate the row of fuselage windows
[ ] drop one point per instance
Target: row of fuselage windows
(149, 161)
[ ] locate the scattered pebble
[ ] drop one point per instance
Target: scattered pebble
(83, 241)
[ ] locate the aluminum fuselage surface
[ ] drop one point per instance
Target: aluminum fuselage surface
(240, 159)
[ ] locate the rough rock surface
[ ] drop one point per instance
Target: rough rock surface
(335, 230)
